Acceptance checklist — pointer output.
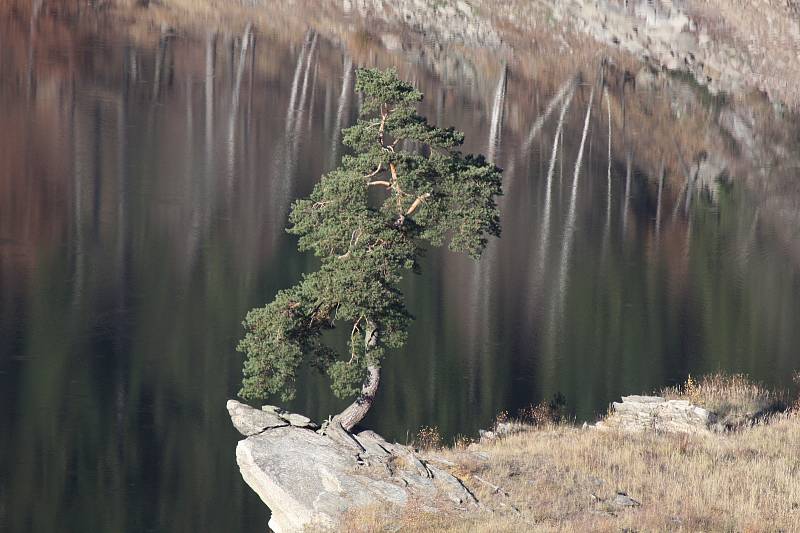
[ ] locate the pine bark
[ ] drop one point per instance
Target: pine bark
(356, 411)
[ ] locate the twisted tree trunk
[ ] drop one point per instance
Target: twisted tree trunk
(356, 411)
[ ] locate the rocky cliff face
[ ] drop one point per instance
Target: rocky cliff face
(311, 478)
(662, 33)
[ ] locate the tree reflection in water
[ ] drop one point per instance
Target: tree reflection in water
(142, 207)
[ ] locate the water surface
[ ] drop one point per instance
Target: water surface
(144, 189)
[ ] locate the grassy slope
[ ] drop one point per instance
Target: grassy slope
(559, 477)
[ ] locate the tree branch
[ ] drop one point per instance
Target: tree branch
(353, 241)
(419, 201)
(383, 124)
(380, 167)
(352, 334)
(380, 182)
(396, 187)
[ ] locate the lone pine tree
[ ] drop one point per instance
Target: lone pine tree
(404, 187)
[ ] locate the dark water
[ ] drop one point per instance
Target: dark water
(143, 193)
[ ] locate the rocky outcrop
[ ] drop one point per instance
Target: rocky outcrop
(249, 421)
(654, 413)
(451, 21)
(663, 33)
(502, 429)
(310, 478)
(292, 419)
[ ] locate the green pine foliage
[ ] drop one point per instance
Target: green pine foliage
(403, 187)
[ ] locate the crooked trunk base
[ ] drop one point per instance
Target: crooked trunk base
(357, 410)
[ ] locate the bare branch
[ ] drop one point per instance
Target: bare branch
(352, 344)
(496, 488)
(384, 115)
(379, 182)
(374, 172)
(353, 242)
(396, 187)
(419, 201)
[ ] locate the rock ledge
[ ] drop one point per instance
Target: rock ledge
(654, 413)
(310, 478)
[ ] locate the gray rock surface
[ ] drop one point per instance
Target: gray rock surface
(502, 429)
(451, 21)
(621, 499)
(272, 409)
(300, 421)
(309, 479)
(654, 413)
(249, 421)
(661, 32)
(292, 419)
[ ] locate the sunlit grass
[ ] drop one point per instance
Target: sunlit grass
(559, 477)
(733, 398)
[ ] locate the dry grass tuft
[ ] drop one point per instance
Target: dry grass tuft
(462, 442)
(428, 438)
(735, 399)
(544, 413)
(795, 407)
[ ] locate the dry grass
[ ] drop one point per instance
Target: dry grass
(558, 477)
(765, 34)
(562, 478)
(544, 413)
(735, 399)
(428, 438)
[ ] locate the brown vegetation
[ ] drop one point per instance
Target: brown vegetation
(735, 399)
(558, 477)
(766, 34)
